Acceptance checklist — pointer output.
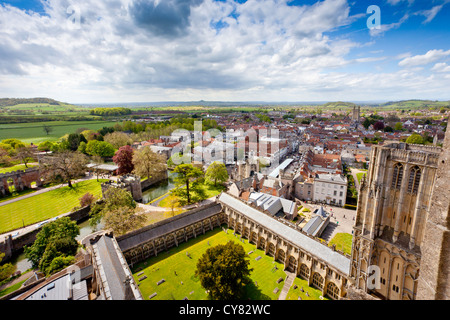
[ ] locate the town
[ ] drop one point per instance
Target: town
(152, 181)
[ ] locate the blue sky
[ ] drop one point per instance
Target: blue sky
(256, 50)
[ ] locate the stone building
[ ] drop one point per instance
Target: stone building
(323, 267)
(401, 228)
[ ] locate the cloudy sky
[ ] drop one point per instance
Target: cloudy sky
(90, 51)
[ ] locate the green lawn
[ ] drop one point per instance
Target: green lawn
(359, 176)
(15, 168)
(210, 191)
(313, 293)
(343, 242)
(46, 205)
(33, 132)
(185, 284)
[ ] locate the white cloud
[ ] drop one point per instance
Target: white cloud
(429, 57)
(258, 50)
(441, 67)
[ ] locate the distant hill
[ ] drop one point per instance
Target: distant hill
(8, 102)
(339, 103)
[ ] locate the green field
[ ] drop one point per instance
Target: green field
(33, 132)
(16, 167)
(343, 242)
(45, 205)
(184, 283)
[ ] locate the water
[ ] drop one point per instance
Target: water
(159, 189)
(148, 195)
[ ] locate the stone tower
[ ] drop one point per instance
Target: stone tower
(389, 231)
(356, 114)
(434, 282)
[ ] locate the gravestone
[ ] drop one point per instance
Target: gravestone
(152, 296)
(257, 258)
(279, 280)
(142, 278)
(161, 281)
(276, 290)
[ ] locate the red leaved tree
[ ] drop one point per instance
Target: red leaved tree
(124, 159)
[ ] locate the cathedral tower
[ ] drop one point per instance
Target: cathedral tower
(393, 219)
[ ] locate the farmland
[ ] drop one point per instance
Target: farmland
(34, 133)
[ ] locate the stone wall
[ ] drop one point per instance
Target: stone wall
(10, 246)
(21, 179)
(434, 282)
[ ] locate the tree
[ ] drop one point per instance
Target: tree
(47, 129)
(187, 176)
(148, 163)
(124, 159)
(56, 239)
(113, 198)
(415, 138)
(7, 269)
(379, 125)
(118, 139)
(124, 219)
(87, 199)
(217, 172)
(398, 126)
(73, 141)
(224, 270)
(64, 165)
(25, 154)
(99, 148)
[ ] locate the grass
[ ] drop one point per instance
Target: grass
(34, 132)
(209, 190)
(15, 168)
(45, 205)
(12, 288)
(185, 284)
(343, 242)
(313, 293)
(359, 176)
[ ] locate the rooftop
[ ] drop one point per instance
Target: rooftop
(322, 252)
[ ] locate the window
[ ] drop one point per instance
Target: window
(397, 176)
(414, 179)
(340, 194)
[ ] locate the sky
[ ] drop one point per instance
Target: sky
(117, 51)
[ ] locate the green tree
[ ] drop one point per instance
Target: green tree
(113, 199)
(224, 270)
(398, 126)
(65, 166)
(55, 239)
(100, 148)
(216, 172)
(148, 163)
(124, 219)
(7, 269)
(415, 138)
(187, 175)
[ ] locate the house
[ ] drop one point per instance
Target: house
(318, 222)
(275, 206)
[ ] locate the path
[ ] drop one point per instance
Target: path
(43, 190)
(290, 277)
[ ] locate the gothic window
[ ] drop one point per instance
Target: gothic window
(397, 176)
(317, 280)
(414, 179)
(333, 291)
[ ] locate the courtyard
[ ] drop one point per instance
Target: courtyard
(171, 274)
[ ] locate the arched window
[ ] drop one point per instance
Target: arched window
(414, 179)
(333, 291)
(318, 280)
(397, 176)
(304, 271)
